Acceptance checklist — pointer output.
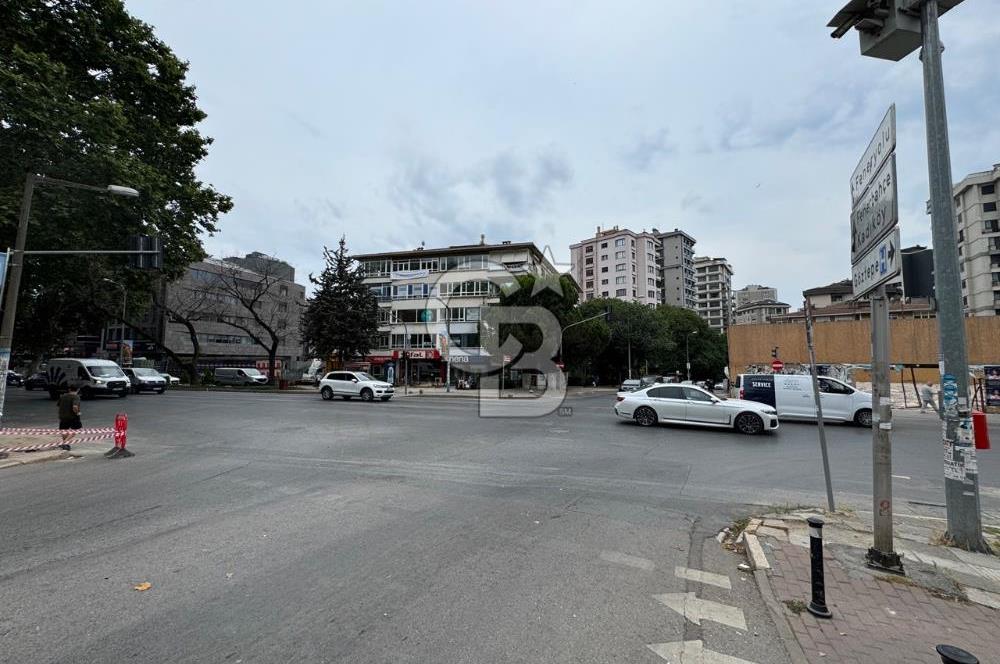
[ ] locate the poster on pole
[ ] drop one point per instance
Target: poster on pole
(992, 385)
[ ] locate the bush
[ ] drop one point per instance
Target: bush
(207, 377)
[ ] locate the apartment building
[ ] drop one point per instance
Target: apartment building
(677, 258)
(619, 263)
(431, 302)
(754, 293)
(979, 241)
(824, 296)
(714, 283)
(758, 311)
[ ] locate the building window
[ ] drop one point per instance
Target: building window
(990, 207)
(604, 282)
(604, 245)
(604, 257)
(604, 269)
(987, 189)
(620, 242)
(590, 272)
(621, 292)
(650, 282)
(650, 293)
(590, 284)
(619, 255)
(650, 269)
(283, 290)
(991, 226)
(961, 235)
(589, 260)
(604, 293)
(589, 249)
(619, 280)
(965, 301)
(620, 267)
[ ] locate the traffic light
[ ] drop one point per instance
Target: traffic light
(774, 352)
(151, 257)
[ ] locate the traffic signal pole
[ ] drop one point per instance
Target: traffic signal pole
(961, 473)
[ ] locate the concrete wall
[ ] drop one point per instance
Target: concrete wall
(913, 341)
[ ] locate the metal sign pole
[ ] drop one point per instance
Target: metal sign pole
(881, 555)
(819, 406)
(961, 473)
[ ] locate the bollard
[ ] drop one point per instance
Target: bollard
(817, 606)
(955, 655)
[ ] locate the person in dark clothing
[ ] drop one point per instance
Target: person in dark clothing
(69, 415)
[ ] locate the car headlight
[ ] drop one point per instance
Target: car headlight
(770, 411)
(98, 381)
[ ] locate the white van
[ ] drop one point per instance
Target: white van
(237, 376)
(792, 396)
(91, 376)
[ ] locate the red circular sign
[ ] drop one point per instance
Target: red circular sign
(777, 365)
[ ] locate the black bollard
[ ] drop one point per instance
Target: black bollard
(817, 606)
(955, 655)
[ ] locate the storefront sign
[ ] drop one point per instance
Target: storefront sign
(418, 354)
(406, 275)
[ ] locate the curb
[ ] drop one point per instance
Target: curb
(34, 457)
(791, 644)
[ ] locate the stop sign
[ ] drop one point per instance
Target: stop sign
(777, 365)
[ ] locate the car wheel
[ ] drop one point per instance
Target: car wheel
(367, 395)
(749, 424)
(326, 393)
(645, 416)
(863, 418)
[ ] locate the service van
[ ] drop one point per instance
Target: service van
(239, 376)
(792, 396)
(92, 377)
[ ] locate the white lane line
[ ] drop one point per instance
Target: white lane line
(696, 609)
(699, 576)
(902, 477)
(619, 558)
(692, 652)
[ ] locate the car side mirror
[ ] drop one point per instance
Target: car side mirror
(354, 380)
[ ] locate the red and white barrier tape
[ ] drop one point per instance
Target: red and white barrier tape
(119, 432)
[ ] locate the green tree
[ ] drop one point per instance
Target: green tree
(708, 350)
(88, 93)
(341, 318)
(558, 295)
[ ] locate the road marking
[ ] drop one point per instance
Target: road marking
(692, 652)
(696, 609)
(619, 558)
(703, 577)
(902, 477)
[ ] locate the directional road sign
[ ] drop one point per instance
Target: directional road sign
(876, 212)
(880, 265)
(881, 146)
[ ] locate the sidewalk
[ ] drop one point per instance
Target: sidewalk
(948, 596)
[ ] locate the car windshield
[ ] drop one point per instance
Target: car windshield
(144, 372)
(364, 376)
(104, 371)
(252, 372)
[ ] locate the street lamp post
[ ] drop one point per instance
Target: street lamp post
(17, 259)
(579, 322)
(121, 339)
(687, 351)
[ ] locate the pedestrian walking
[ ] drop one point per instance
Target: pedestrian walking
(927, 397)
(69, 416)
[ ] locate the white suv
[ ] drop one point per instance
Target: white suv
(349, 384)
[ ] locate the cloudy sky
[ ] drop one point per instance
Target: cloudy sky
(398, 123)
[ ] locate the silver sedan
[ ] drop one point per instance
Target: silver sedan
(688, 404)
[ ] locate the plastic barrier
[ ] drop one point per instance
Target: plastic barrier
(980, 431)
(119, 433)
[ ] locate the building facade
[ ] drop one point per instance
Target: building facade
(619, 263)
(758, 311)
(431, 302)
(860, 310)
(978, 221)
(835, 293)
(201, 296)
(714, 283)
(754, 293)
(677, 262)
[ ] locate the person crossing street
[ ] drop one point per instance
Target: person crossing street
(69, 416)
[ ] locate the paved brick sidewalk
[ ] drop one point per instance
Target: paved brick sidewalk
(876, 620)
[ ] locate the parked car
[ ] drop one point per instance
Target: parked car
(238, 376)
(144, 379)
(792, 396)
(91, 376)
(14, 379)
(630, 385)
(36, 381)
(171, 380)
(688, 404)
(350, 384)
(646, 381)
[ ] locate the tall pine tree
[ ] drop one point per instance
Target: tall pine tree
(341, 318)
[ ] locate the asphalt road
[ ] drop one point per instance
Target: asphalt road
(287, 529)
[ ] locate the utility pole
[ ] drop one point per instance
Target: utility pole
(819, 405)
(961, 471)
(882, 555)
(891, 30)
